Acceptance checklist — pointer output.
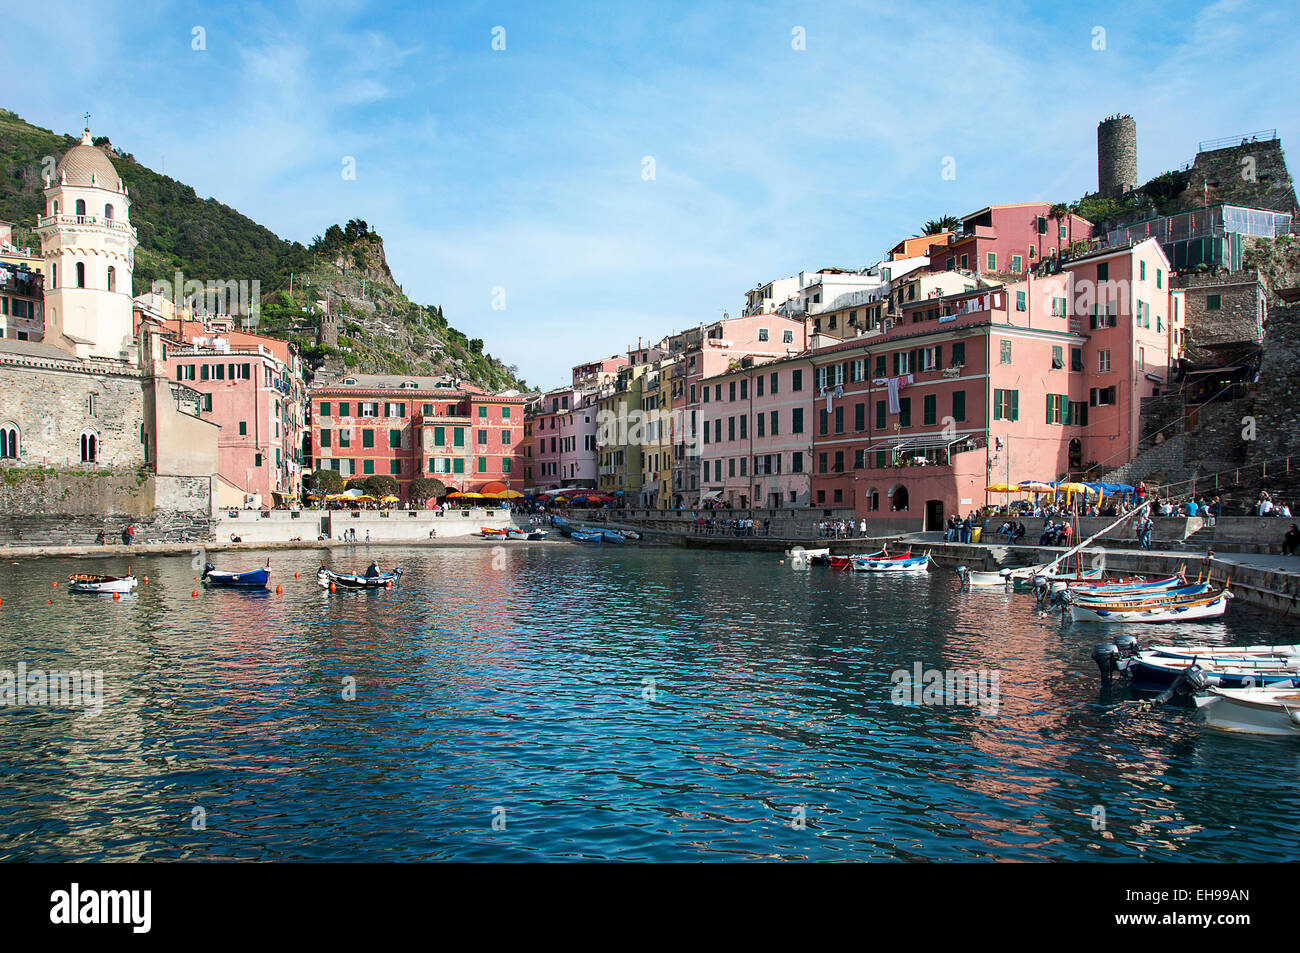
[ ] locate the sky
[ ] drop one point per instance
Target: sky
(624, 171)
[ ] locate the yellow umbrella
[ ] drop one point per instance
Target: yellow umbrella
(1003, 488)
(390, 499)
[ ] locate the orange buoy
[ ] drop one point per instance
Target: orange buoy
(295, 575)
(117, 596)
(146, 579)
(49, 602)
(194, 594)
(55, 584)
(331, 587)
(389, 584)
(279, 590)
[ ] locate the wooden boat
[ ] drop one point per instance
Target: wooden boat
(94, 583)
(974, 578)
(586, 536)
(487, 532)
(1130, 584)
(1150, 671)
(1137, 596)
(516, 534)
(1194, 653)
(910, 564)
(537, 534)
(1204, 606)
(630, 534)
(1271, 711)
(252, 579)
(352, 580)
(613, 536)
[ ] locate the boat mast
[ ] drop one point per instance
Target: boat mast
(1070, 552)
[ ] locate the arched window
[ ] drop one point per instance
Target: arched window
(56, 207)
(108, 212)
(81, 207)
(112, 278)
(54, 274)
(89, 448)
(81, 274)
(8, 442)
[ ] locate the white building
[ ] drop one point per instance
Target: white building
(88, 246)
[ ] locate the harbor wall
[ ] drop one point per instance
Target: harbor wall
(384, 526)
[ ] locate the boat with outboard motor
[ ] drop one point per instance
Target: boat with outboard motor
(1205, 605)
(1194, 668)
(224, 579)
(327, 579)
(893, 564)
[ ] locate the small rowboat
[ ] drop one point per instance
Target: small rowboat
(537, 534)
(1256, 711)
(1227, 652)
(1209, 606)
(1104, 587)
(630, 534)
(911, 564)
(487, 531)
(516, 534)
(973, 578)
(94, 583)
(252, 579)
(351, 580)
(1128, 597)
(611, 536)
(584, 536)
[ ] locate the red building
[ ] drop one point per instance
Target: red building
(406, 427)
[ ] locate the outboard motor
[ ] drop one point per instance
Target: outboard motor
(964, 575)
(1191, 681)
(207, 568)
(1127, 645)
(1106, 655)
(1042, 587)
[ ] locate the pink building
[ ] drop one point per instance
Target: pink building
(1008, 239)
(563, 439)
(755, 436)
(1029, 380)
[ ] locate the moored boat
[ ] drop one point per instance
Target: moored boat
(911, 564)
(974, 578)
(488, 532)
(1204, 606)
(351, 580)
(95, 583)
(536, 534)
(252, 579)
(1257, 711)
(1150, 671)
(516, 534)
(586, 536)
(613, 536)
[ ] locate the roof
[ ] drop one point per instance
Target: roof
(83, 161)
(35, 349)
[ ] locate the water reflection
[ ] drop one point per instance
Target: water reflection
(630, 703)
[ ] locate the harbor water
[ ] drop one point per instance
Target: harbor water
(562, 702)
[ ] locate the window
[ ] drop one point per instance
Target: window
(482, 439)
(257, 460)
(772, 384)
(787, 336)
(1058, 356)
(367, 467)
(1142, 271)
(959, 405)
(991, 261)
(1103, 271)
(796, 379)
(505, 465)
(1016, 263)
(345, 409)
(1077, 413)
(1103, 361)
(1006, 404)
(1212, 302)
(458, 465)
(762, 426)
(880, 365)
(905, 411)
(1006, 351)
(1076, 358)
(9, 443)
(505, 438)
(395, 467)
(482, 464)
(112, 278)
(731, 391)
(1021, 301)
(796, 420)
(1102, 396)
(482, 411)
(930, 409)
(243, 428)
(458, 436)
(1033, 251)
(324, 404)
(823, 422)
(880, 415)
(345, 438)
(324, 439)
(1056, 404)
(965, 262)
(81, 275)
(860, 416)
(773, 429)
(839, 461)
(1160, 278)
(762, 334)
(959, 354)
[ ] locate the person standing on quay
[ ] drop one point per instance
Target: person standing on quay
(1144, 531)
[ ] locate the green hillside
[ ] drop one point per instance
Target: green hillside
(206, 240)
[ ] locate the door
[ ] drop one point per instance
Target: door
(934, 514)
(325, 527)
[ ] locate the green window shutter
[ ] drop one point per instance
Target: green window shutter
(394, 439)
(959, 405)
(367, 467)
(1015, 405)
(439, 436)
(458, 465)
(997, 404)
(395, 467)
(458, 436)
(938, 355)
(482, 464)
(1051, 399)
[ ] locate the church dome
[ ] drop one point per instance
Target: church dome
(83, 160)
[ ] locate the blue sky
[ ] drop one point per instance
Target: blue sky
(522, 169)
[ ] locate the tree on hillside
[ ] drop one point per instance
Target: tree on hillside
(947, 223)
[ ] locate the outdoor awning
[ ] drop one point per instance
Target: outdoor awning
(711, 495)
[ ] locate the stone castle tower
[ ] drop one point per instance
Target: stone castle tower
(1117, 150)
(327, 329)
(89, 249)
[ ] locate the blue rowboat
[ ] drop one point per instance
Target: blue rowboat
(252, 579)
(1137, 595)
(1148, 670)
(583, 536)
(613, 537)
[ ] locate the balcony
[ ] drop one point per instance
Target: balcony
(86, 221)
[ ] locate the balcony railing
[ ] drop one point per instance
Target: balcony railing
(94, 221)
